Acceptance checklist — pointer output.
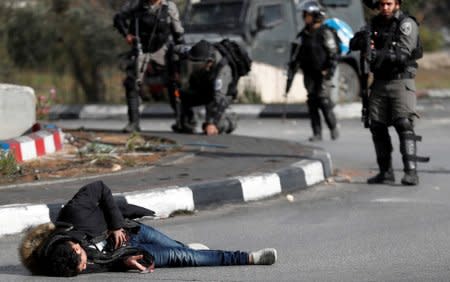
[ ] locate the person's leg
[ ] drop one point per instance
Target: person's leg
(149, 235)
(228, 123)
(184, 257)
(132, 96)
(314, 115)
(408, 149)
(313, 88)
(326, 105)
(383, 150)
(403, 112)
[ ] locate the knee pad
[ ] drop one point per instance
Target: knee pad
(404, 125)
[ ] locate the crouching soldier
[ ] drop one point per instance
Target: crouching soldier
(215, 72)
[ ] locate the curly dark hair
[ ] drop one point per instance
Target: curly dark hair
(63, 261)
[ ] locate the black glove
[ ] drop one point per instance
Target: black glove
(358, 42)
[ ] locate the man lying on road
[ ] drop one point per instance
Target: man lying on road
(93, 233)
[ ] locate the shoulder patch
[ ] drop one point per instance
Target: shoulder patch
(406, 28)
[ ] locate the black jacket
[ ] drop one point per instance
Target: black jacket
(93, 210)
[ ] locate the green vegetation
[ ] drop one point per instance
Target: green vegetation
(8, 164)
(431, 40)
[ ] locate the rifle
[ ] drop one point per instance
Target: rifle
(142, 59)
(365, 56)
(293, 67)
(173, 70)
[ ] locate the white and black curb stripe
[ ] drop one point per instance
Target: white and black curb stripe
(164, 201)
(343, 111)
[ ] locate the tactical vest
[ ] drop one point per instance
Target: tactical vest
(203, 81)
(390, 34)
(312, 55)
(154, 29)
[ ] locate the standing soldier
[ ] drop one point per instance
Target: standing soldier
(394, 46)
(316, 54)
(147, 25)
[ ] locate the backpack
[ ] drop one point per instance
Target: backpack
(238, 60)
(342, 32)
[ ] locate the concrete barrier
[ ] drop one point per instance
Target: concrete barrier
(17, 110)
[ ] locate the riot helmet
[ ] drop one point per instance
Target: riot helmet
(312, 7)
(202, 51)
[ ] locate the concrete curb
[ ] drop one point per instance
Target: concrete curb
(350, 110)
(34, 145)
(343, 111)
(165, 201)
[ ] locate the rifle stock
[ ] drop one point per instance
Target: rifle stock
(293, 66)
(365, 71)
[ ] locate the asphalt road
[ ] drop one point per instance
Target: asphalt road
(342, 231)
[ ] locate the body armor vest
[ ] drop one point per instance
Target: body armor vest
(389, 33)
(154, 29)
(312, 55)
(203, 81)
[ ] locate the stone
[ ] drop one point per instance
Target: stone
(17, 110)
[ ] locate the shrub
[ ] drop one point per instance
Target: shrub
(431, 40)
(8, 164)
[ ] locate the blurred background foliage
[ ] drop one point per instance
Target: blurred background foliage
(71, 46)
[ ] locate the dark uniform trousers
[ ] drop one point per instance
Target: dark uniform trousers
(319, 88)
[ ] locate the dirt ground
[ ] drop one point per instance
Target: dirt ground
(90, 153)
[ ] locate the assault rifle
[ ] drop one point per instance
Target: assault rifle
(293, 67)
(142, 59)
(365, 56)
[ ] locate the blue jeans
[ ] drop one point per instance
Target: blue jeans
(170, 253)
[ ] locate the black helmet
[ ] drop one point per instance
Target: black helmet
(312, 7)
(202, 51)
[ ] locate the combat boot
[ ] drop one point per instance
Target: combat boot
(410, 178)
(187, 129)
(383, 177)
(408, 149)
(315, 138)
(132, 127)
(334, 134)
(227, 124)
(383, 150)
